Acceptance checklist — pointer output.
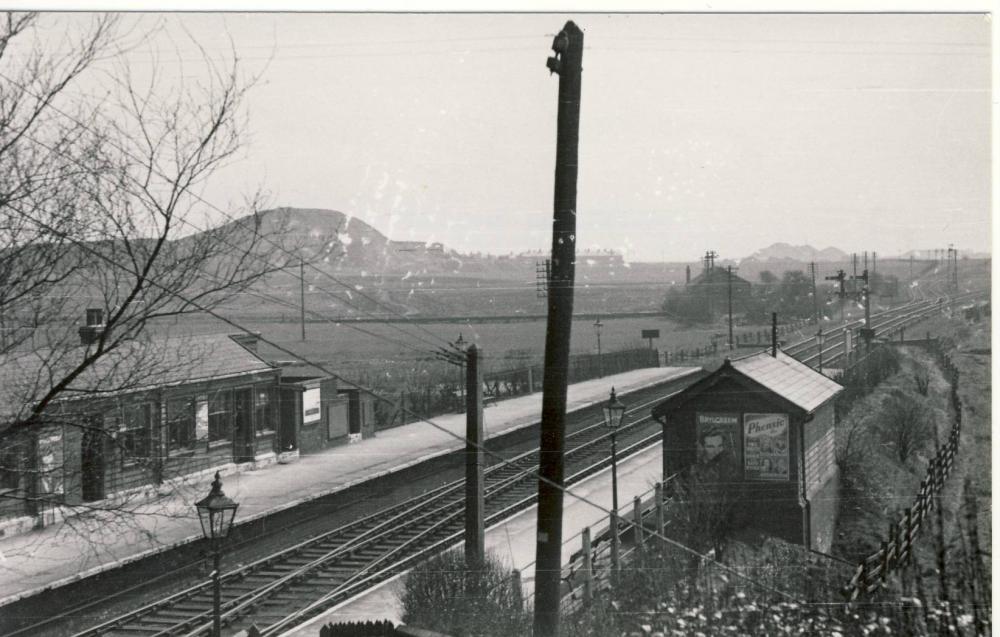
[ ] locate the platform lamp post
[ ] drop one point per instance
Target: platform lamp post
(600, 363)
(216, 513)
(614, 412)
(459, 345)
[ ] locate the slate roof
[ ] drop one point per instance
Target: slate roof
(137, 365)
(794, 381)
(718, 275)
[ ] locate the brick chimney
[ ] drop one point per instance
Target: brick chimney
(94, 327)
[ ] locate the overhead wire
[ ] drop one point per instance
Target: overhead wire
(352, 289)
(346, 301)
(459, 437)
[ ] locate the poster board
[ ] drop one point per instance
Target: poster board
(50, 464)
(718, 439)
(201, 418)
(310, 405)
(765, 446)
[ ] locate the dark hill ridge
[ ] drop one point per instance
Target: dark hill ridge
(804, 253)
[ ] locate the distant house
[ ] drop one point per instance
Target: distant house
(716, 281)
(417, 246)
(148, 411)
(764, 425)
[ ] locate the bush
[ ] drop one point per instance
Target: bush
(443, 595)
(906, 424)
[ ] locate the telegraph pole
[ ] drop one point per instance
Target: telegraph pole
(840, 277)
(302, 297)
(567, 63)
(854, 273)
(475, 508)
(812, 271)
(729, 281)
(867, 332)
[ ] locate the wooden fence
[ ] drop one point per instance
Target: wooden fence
(446, 398)
(591, 570)
(873, 571)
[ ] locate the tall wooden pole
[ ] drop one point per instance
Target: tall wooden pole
(475, 527)
(812, 271)
(729, 280)
(567, 62)
(774, 334)
(302, 297)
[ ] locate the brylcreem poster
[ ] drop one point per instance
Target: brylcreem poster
(765, 446)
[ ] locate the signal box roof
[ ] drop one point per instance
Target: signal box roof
(790, 380)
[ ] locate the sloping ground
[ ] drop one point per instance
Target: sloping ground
(973, 358)
(875, 485)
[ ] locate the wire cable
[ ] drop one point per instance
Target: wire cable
(226, 215)
(481, 447)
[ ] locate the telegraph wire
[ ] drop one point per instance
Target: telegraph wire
(352, 289)
(496, 456)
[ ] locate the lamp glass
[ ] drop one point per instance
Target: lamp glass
(614, 412)
(216, 512)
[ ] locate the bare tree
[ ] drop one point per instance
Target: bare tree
(100, 208)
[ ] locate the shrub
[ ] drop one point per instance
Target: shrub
(922, 378)
(906, 424)
(443, 595)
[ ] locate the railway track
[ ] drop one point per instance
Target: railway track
(301, 581)
(884, 323)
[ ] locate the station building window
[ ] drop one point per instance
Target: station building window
(265, 405)
(10, 466)
(181, 423)
(220, 415)
(134, 436)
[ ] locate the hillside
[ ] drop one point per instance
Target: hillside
(803, 253)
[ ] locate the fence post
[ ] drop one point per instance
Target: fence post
(515, 580)
(885, 562)
(863, 577)
(615, 543)
(922, 500)
(908, 535)
(637, 512)
(588, 567)
(658, 491)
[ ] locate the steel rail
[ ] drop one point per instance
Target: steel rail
(454, 539)
(395, 513)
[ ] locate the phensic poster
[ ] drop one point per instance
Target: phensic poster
(765, 444)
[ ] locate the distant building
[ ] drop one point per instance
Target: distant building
(764, 427)
(417, 246)
(715, 281)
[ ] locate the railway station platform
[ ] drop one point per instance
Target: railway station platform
(88, 544)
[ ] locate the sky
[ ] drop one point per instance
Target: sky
(726, 132)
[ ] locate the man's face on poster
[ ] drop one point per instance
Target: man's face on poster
(712, 445)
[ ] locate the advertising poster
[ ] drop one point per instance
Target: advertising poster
(310, 405)
(201, 419)
(50, 464)
(718, 436)
(765, 444)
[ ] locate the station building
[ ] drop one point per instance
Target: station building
(764, 425)
(154, 412)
